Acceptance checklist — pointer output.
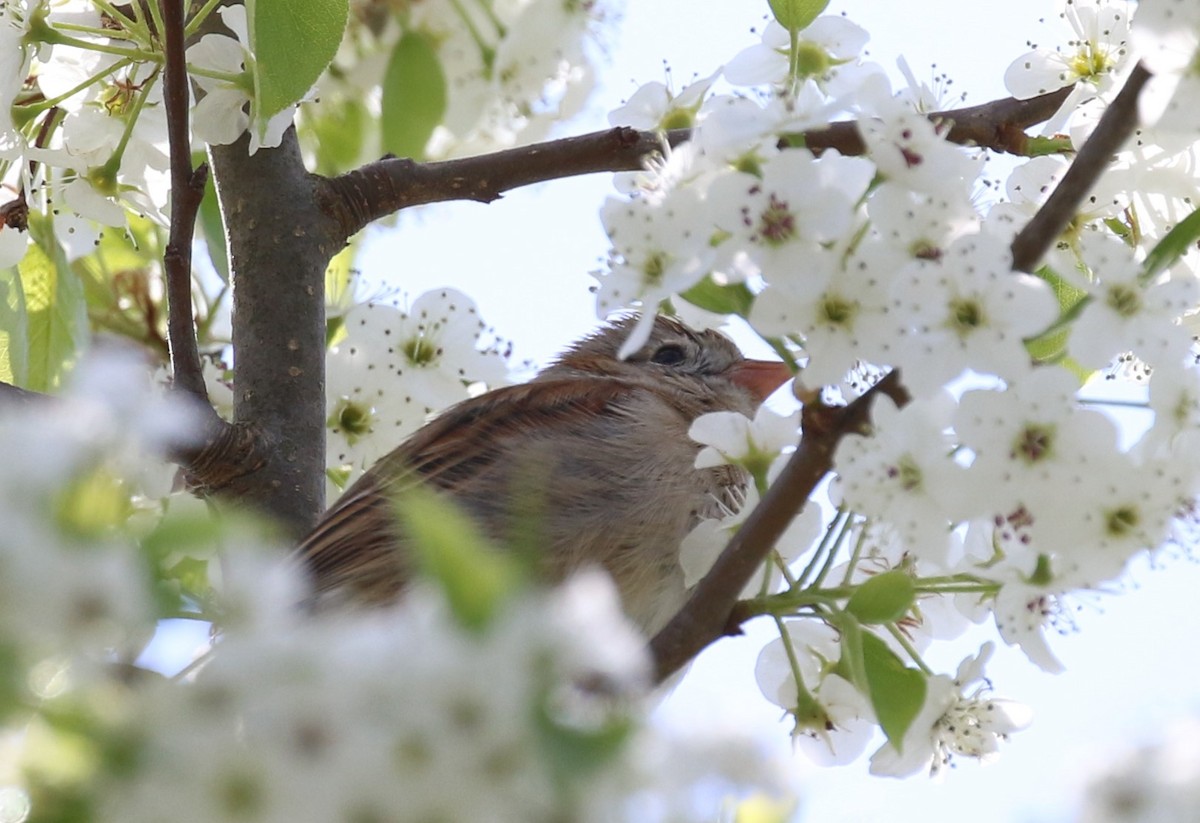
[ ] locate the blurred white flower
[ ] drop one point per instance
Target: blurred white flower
(1156, 781)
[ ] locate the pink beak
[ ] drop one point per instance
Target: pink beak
(759, 377)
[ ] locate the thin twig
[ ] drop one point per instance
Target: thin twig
(998, 125)
(187, 191)
(1114, 128)
(708, 614)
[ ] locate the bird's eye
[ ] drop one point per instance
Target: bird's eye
(668, 355)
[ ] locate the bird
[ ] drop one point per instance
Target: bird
(595, 444)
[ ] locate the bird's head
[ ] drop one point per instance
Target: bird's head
(673, 351)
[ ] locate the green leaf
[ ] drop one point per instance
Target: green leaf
(414, 96)
(293, 42)
(795, 15)
(896, 692)
(851, 665)
(735, 298)
(192, 575)
(340, 130)
(885, 598)
(212, 227)
(92, 505)
(476, 578)
(14, 329)
(56, 312)
(574, 752)
(1178, 242)
(339, 278)
(1036, 146)
(1051, 345)
(760, 808)
(117, 276)
(184, 530)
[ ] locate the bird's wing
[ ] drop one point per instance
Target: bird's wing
(355, 541)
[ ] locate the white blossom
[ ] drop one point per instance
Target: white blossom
(1125, 314)
(957, 719)
(396, 367)
(1089, 60)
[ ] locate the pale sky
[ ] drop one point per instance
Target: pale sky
(526, 260)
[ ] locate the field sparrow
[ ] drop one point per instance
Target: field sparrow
(596, 445)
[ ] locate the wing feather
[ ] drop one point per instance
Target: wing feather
(356, 544)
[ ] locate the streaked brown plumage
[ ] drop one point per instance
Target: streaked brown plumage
(597, 445)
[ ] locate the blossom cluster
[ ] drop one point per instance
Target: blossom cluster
(536, 711)
(511, 69)
(405, 715)
(83, 136)
(395, 367)
(999, 490)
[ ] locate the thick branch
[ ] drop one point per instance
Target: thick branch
(1114, 128)
(378, 189)
(279, 247)
(705, 618)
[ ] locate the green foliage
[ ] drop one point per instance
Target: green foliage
(293, 41)
(885, 598)
(795, 15)
(476, 578)
(1178, 242)
(339, 287)
(734, 298)
(14, 331)
(180, 549)
(414, 96)
(1051, 345)
(339, 128)
(1037, 146)
(47, 299)
(176, 549)
(761, 809)
(92, 505)
(896, 692)
(575, 751)
(116, 280)
(12, 681)
(211, 226)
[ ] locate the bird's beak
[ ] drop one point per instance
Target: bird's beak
(759, 377)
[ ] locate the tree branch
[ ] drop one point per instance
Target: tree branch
(998, 125)
(1114, 128)
(279, 246)
(187, 191)
(378, 189)
(705, 618)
